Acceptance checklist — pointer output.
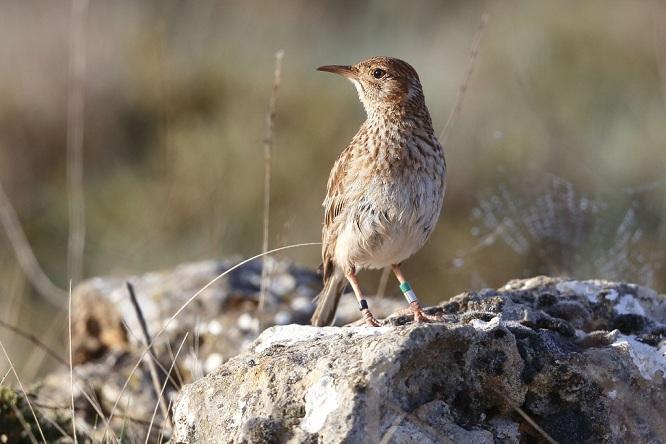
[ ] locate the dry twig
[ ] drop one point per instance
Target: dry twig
(152, 356)
(268, 151)
(71, 365)
(173, 363)
(32, 338)
(474, 52)
(75, 123)
(25, 394)
(183, 307)
(383, 282)
(25, 256)
(25, 425)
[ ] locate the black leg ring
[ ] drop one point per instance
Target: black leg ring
(363, 304)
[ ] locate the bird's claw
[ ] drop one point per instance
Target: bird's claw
(370, 319)
(420, 315)
(417, 312)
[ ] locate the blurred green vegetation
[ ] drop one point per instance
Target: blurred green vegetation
(176, 95)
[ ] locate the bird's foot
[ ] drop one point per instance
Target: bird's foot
(370, 319)
(417, 312)
(420, 315)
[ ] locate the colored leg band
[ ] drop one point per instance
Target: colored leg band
(408, 292)
(363, 304)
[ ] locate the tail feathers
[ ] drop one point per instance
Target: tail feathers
(327, 300)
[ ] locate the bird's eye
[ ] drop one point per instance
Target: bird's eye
(378, 73)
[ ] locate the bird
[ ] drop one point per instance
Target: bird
(385, 191)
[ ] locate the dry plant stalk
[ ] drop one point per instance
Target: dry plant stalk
(659, 47)
(152, 358)
(536, 426)
(473, 54)
(25, 394)
(383, 282)
(75, 123)
(25, 256)
(161, 398)
(268, 151)
(402, 414)
(35, 340)
(2, 380)
(149, 346)
(32, 338)
(24, 424)
(71, 365)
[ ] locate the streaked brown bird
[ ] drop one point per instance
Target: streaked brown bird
(386, 190)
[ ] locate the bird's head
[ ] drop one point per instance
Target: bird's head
(382, 83)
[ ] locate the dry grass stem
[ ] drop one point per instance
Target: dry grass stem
(15, 293)
(474, 52)
(25, 256)
(32, 338)
(185, 305)
(383, 282)
(392, 428)
(659, 46)
(130, 418)
(35, 360)
(533, 423)
(433, 432)
(268, 152)
(71, 365)
(2, 381)
(56, 426)
(181, 382)
(163, 426)
(525, 416)
(197, 368)
(25, 425)
(152, 357)
(25, 394)
(160, 395)
(75, 124)
(159, 365)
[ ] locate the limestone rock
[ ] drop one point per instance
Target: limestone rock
(220, 322)
(224, 315)
(584, 361)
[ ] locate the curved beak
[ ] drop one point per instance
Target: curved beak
(343, 70)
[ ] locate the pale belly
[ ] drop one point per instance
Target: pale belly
(389, 224)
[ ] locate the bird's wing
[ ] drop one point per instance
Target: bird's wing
(334, 205)
(335, 188)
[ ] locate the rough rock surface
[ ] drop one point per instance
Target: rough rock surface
(584, 361)
(220, 322)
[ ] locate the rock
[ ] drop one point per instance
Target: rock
(224, 315)
(584, 361)
(220, 322)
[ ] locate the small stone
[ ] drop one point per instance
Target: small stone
(282, 284)
(282, 318)
(246, 322)
(215, 327)
(302, 303)
(212, 362)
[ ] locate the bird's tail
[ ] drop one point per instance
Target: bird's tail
(327, 300)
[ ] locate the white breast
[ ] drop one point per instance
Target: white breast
(391, 222)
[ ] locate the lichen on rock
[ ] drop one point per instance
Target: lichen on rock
(568, 355)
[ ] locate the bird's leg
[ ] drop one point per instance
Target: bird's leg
(362, 303)
(414, 304)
